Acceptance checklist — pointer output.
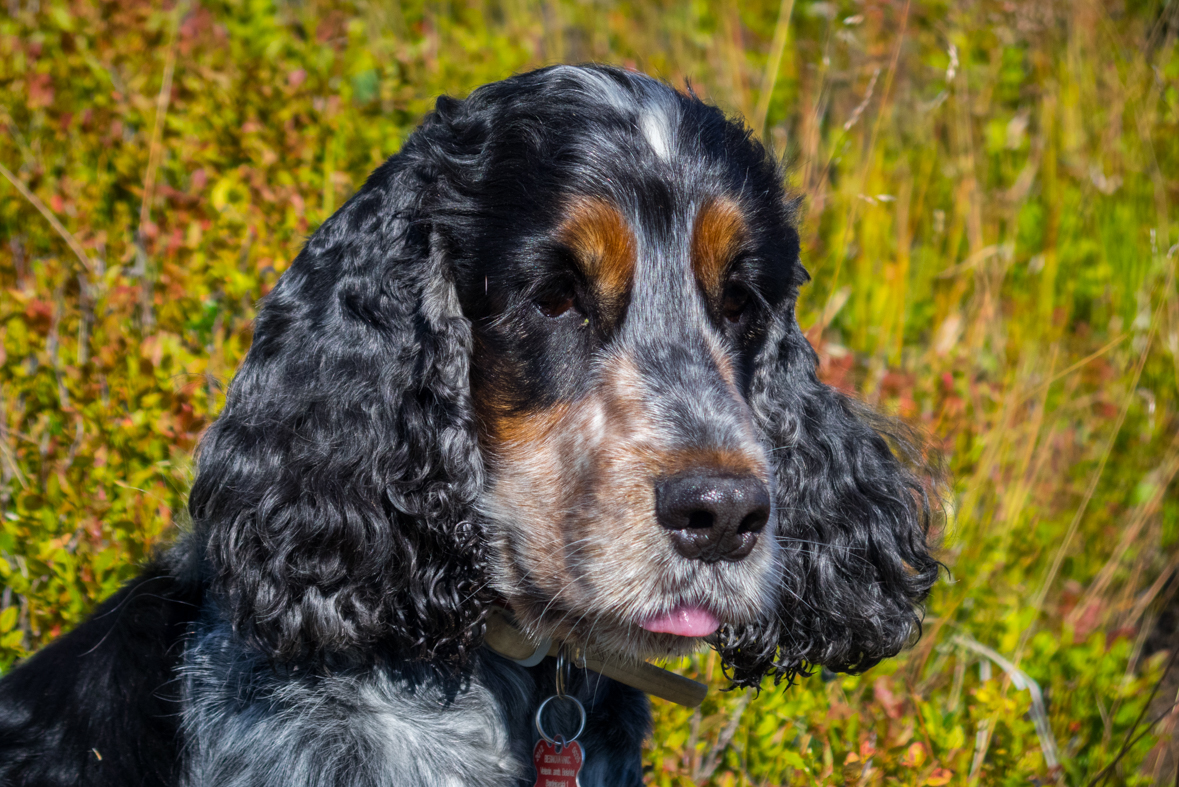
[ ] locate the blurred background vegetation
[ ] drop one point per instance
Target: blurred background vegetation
(991, 225)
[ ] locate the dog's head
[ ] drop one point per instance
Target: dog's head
(548, 356)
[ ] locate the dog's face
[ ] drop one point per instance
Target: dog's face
(548, 356)
(630, 494)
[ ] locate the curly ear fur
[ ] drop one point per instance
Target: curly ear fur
(853, 526)
(334, 494)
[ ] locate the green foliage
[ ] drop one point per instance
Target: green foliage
(989, 191)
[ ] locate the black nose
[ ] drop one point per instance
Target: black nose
(712, 517)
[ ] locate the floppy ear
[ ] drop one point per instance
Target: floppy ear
(853, 523)
(334, 494)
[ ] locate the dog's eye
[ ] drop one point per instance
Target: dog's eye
(736, 302)
(554, 306)
(558, 300)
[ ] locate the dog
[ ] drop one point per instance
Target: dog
(544, 363)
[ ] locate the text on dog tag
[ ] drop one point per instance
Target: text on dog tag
(557, 764)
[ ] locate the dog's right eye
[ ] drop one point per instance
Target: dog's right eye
(554, 306)
(557, 301)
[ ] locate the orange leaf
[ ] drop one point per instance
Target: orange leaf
(939, 777)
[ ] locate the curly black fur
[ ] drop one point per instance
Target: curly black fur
(335, 490)
(855, 522)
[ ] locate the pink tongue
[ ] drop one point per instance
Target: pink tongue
(683, 621)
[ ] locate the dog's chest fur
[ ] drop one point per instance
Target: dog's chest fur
(391, 725)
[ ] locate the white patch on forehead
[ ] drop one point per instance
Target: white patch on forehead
(651, 104)
(657, 126)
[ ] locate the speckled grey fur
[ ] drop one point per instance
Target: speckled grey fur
(247, 724)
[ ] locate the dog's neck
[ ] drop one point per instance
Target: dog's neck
(504, 638)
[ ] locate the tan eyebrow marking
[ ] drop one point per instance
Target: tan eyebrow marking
(598, 233)
(719, 234)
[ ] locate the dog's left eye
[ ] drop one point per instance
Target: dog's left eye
(736, 302)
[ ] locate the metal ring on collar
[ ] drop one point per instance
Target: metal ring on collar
(580, 726)
(563, 672)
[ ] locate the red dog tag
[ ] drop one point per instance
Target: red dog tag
(557, 764)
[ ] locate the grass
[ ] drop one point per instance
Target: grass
(990, 222)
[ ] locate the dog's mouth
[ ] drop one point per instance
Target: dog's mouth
(685, 620)
(680, 630)
(629, 602)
